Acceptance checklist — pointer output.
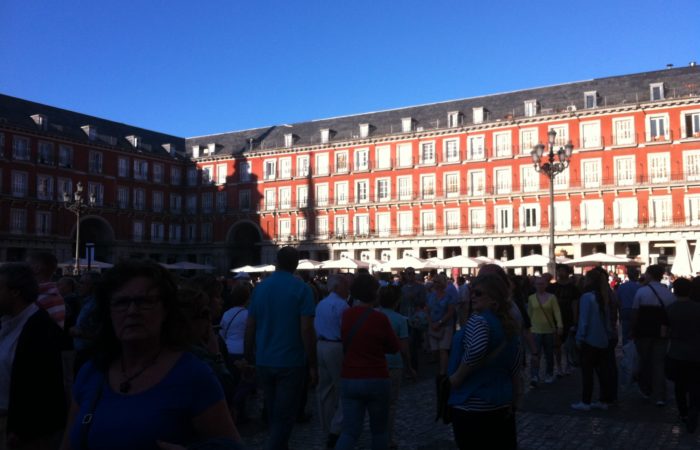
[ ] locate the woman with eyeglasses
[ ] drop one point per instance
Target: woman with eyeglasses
(143, 391)
(483, 364)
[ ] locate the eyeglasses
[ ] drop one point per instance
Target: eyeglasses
(142, 302)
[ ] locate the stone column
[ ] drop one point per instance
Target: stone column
(441, 252)
(644, 254)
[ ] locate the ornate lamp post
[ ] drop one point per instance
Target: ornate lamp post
(551, 167)
(77, 204)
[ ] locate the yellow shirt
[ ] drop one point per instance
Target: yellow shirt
(545, 317)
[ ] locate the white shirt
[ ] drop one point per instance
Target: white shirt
(329, 312)
(10, 329)
(233, 329)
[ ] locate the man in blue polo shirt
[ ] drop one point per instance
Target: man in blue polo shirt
(280, 332)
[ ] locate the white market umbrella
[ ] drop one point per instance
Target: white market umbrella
(533, 260)
(263, 268)
(682, 263)
(83, 262)
(460, 261)
(481, 260)
(405, 262)
(601, 259)
(308, 264)
(344, 263)
(695, 263)
(246, 268)
(186, 265)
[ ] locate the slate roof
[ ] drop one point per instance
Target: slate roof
(68, 125)
(611, 91)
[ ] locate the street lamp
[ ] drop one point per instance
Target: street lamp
(551, 168)
(77, 205)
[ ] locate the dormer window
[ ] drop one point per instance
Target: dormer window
(90, 131)
(325, 135)
(134, 140)
(590, 99)
(195, 151)
(453, 119)
(41, 121)
(364, 130)
(170, 148)
(407, 124)
(478, 114)
(656, 91)
(211, 148)
(532, 108)
(288, 140)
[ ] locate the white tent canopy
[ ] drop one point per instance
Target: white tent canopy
(533, 260)
(601, 259)
(408, 261)
(682, 263)
(308, 264)
(460, 261)
(246, 268)
(83, 262)
(344, 263)
(696, 257)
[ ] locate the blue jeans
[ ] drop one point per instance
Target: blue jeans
(282, 386)
(359, 395)
(544, 344)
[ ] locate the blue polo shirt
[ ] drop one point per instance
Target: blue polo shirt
(277, 305)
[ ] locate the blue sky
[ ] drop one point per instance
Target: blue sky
(195, 68)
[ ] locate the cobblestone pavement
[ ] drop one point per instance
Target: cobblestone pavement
(545, 422)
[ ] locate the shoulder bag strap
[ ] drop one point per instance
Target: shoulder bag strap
(231, 321)
(355, 328)
(546, 316)
(657, 297)
(86, 421)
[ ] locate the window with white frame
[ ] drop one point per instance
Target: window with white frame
(269, 169)
(175, 203)
(175, 176)
(383, 157)
(562, 216)
(561, 180)
(285, 168)
(502, 144)
(65, 156)
(503, 180)
(322, 194)
(141, 169)
(453, 119)
(43, 223)
(139, 199)
(19, 184)
(427, 186)
(157, 232)
(405, 222)
(624, 170)
(207, 174)
(137, 230)
(364, 130)
(659, 167)
(44, 187)
(405, 187)
(590, 99)
(691, 165)
(221, 201)
(191, 203)
(175, 232)
(476, 147)
(64, 185)
(690, 122)
(301, 228)
(562, 137)
(192, 176)
(530, 217)
(477, 220)
(221, 173)
(590, 134)
(302, 196)
(244, 200)
(157, 201)
(321, 164)
(625, 212)
(503, 216)
(341, 161)
(341, 226)
(656, 91)
(269, 196)
(406, 124)
(531, 108)
(383, 189)
(20, 148)
(45, 155)
(361, 159)
(529, 178)
(623, 131)
(361, 225)
(244, 172)
(322, 227)
(478, 115)
(303, 166)
(341, 193)
(452, 184)
(452, 222)
(660, 211)
(285, 227)
(427, 152)
(18, 220)
(383, 224)
(528, 140)
(191, 232)
(657, 127)
(288, 140)
(97, 191)
(592, 214)
(157, 173)
(477, 182)
(123, 197)
(95, 162)
(427, 222)
(285, 196)
(590, 168)
(362, 191)
(692, 210)
(404, 155)
(207, 202)
(451, 150)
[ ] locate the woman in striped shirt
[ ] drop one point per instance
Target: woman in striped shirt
(483, 362)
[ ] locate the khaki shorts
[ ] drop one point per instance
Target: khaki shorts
(440, 340)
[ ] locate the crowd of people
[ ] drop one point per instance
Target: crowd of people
(136, 358)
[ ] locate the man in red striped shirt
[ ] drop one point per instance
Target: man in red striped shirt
(44, 266)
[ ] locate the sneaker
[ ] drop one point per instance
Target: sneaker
(599, 405)
(580, 406)
(549, 379)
